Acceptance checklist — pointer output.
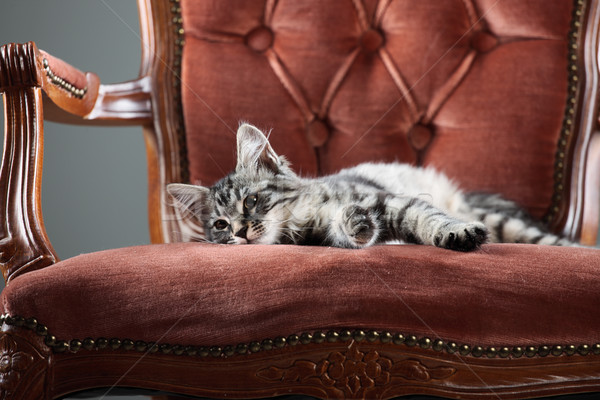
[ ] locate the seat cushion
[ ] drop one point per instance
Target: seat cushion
(208, 294)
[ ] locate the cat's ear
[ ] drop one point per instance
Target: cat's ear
(188, 198)
(254, 151)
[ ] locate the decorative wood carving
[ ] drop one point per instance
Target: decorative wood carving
(23, 366)
(24, 245)
(354, 373)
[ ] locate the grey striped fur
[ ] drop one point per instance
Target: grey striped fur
(263, 201)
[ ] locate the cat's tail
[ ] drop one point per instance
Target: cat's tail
(509, 223)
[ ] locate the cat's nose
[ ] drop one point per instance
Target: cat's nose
(242, 232)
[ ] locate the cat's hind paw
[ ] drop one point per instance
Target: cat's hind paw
(462, 236)
(358, 226)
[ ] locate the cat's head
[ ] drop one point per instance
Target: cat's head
(249, 205)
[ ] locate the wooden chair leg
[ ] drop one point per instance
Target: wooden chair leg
(24, 361)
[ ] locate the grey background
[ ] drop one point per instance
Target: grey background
(94, 186)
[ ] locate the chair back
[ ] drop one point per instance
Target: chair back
(500, 95)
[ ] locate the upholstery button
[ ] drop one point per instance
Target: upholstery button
(483, 41)
(317, 133)
(259, 39)
(371, 40)
(420, 136)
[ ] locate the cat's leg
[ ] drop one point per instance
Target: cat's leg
(353, 227)
(509, 223)
(415, 220)
(504, 229)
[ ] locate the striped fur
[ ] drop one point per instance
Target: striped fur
(263, 201)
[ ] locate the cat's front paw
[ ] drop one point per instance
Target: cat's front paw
(359, 226)
(462, 236)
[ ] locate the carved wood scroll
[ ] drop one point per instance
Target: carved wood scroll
(24, 245)
(354, 374)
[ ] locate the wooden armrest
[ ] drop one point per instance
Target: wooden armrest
(24, 245)
(27, 76)
(72, 96)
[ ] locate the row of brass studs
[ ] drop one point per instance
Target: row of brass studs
(61, 346)
(567, 127)
(177, 24)
(63, 84)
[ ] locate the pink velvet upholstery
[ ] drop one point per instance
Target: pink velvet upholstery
(205, 295)
(477, 88)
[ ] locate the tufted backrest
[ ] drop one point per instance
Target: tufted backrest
(485, 90)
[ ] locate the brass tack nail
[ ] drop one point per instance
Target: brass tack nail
(517, 351)
(89, 344)
(372, 336)
(165, 348)
(530, 351)
(305, 338)
(41, 330)
(215, 351)
(557, 350)
(75, 345)
(241, 348)
(19, 321)
(50, 340)
(359, 335)
(203, 352)
(399, 338)
(464, 350)
(477, 351)
(332, 336)
(114, 343)
(280, 342)
(141, 346)
(411, 340)
(190, 350)
(596, 348)
(543, 351)
(293, 340)
(584, 349)
(438, 345)
(152, 347)
(128, 344)
(345, 335)
(452, 347)
(386, 337)
(61, 346)
(228, 351)
(425, 343)
(504, 352)
(570, 350)
(267, 344)
(319, 337)
(101, 343)
(254, 347)
(31, 323)
(491, 352)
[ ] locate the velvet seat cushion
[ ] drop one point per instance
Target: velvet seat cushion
(207, 294)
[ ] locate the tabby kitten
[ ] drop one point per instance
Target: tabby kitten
(264, 201)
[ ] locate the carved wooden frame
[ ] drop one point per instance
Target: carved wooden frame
(34, 365)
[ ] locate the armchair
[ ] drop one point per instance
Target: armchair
(502, 96)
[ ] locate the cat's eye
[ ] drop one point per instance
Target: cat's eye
(250, 201)
(220, 224)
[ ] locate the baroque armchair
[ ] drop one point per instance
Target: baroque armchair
(501, 95)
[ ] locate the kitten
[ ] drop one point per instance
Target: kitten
(263, 201)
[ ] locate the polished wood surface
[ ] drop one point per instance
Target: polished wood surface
(351, 369)
(24, 245)
(569, 217)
